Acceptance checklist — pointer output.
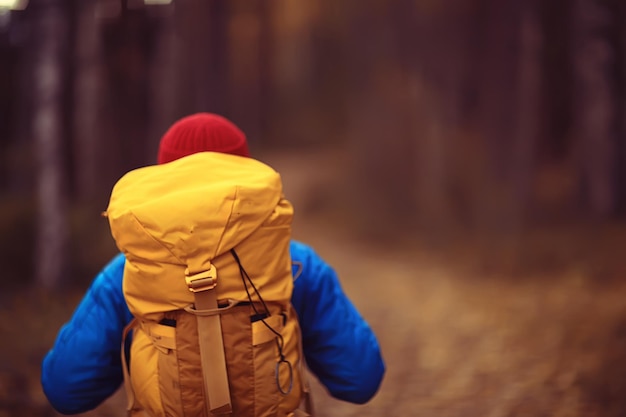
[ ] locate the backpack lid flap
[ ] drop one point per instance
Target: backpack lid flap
(192, 210)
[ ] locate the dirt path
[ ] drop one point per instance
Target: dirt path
(458, 346)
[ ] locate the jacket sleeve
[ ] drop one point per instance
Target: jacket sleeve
(339, 346)
(84, 368)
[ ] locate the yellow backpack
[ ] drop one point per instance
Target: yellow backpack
(208, 279)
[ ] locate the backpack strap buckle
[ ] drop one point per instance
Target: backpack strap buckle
(202, 281)
(212, 357)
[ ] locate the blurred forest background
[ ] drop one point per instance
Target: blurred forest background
(484, 140)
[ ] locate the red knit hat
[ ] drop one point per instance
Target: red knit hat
(202, 132)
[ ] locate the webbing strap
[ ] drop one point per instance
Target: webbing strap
(306, 404)
(130, 395)
(213, 360)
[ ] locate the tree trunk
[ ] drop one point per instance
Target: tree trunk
(203, 28)
(595, 105)
(88, 94)
(251, 61)
(527, 127)
(381, 123)
(621, 134)
(52, 238)
(164, 80)
(263, 97)
(509, 116)
(432, 110)
(286, 76)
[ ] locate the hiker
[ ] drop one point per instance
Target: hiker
(84, 366)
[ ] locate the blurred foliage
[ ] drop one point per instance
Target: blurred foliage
(31, 319)
(17, 240)
(91, 244)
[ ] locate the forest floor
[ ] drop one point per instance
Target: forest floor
(533, 327)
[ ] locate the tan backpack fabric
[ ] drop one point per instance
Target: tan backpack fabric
(208, 279)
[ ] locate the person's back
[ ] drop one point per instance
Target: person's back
(340, 348)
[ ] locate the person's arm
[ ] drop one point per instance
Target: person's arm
(84, 368)
(339, 346)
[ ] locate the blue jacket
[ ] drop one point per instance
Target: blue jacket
(84, 368)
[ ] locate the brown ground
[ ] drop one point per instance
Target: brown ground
(463, 333)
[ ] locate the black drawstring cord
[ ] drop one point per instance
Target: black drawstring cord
(279, 338)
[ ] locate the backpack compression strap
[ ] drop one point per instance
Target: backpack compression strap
(202, 285)
(130, 395)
